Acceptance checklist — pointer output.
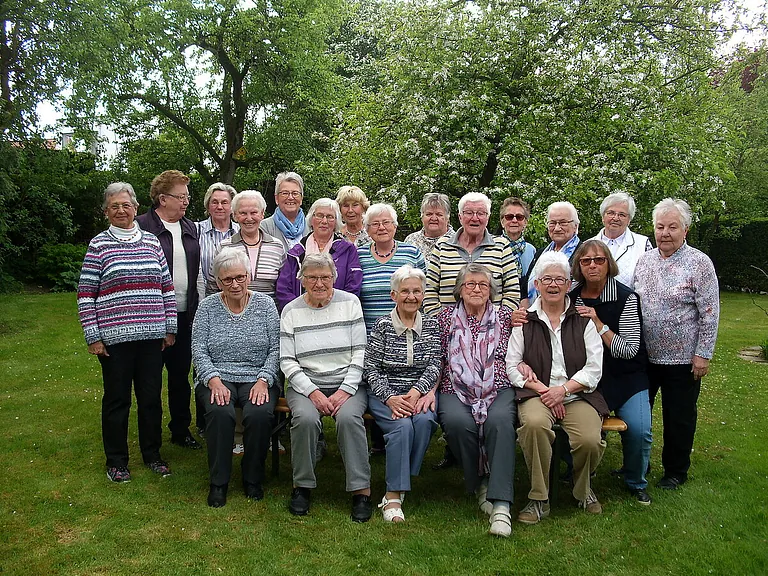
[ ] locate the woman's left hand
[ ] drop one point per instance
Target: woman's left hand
(553, 396)
(426, 403)
(337, 400)
(588, 312)
(259, 392)
(169, 340)
(699, 367)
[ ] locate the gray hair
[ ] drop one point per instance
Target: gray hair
(618, 198)
(325, 203)
(249, 195)
(564, 205)
(230, 257)
(376, 209)
(215, 188)
(435, 200)
(321, 260)
(474, 268)
(117, 188)
(406, 272)
(290, 177)
(552, 259)
(681, 206)
(475, 197)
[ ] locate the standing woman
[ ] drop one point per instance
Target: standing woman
(127, 309)
(324, 221)
(436, 222)
(380, 259)
(213, 230)
(353, 204)
(679, 295)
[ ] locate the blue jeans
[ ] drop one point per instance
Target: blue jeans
(636, 440)
(406, 441)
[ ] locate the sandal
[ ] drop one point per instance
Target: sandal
(501, 524)
(391, 514)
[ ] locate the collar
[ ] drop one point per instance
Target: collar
(488, 239)
(400, 328)
(610, 291)
(619, 241)
(206, 226)
(541, 315)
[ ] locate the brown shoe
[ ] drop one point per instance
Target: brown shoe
(534, 511)
(591, 504)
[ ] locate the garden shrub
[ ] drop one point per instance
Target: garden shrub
(734, 257)
(60, 264)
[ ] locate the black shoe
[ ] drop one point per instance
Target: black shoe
(187, 441)
(669, 483)
(299, 505)
(217, 496)
(362, 508)
(254, 491)
(641, 496)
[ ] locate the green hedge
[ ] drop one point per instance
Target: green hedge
(734, 257)
(60, 265)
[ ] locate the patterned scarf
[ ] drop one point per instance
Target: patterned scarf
(291, 230)
(471, 367)
(518, 246)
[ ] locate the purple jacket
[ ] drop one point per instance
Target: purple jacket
(344, 254)
(150, 222)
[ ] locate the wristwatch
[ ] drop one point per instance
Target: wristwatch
(603, 330)
(565, 387)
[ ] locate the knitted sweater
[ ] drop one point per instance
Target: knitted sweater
(323, 348)
(125, 291)
(236, 347)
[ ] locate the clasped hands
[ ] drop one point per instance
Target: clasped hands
(551, 397)
(413, 402)
(329, 405)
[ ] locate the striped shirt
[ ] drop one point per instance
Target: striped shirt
(398, 358)
(125, 291)
(265, 261)
(210, 238)
(375, 290)
(448, 257)
(323, 348)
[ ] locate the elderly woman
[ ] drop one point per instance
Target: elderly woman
(322, 345)
(615, 311)
(324, 221)
(617, 211)
(235, 349)
(402, 365)
(476, 404)
(265, 253)
(679, 296)
(555, 360)
(380, 259)
(435, 220)
(563, 230)
(213, 231)
(514, 215)
(353, 204)
(127, 309)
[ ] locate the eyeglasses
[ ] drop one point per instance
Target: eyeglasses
(479, 214)
(587, 260)
(115, 207)
(510, 217)
(324, 216)
(180, 197)
(472, 285)
(382, 224)
(612, 213)
(315, 279)
(414, 292)
(547, 280)
(220, 202)
(240, 279)
(555, 223)
(290, 194)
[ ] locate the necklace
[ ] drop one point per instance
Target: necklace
(235, 317)
(248, 243)
(354, 235)
(388, 254)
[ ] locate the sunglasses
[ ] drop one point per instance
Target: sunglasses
(599, 260)
(510, 217)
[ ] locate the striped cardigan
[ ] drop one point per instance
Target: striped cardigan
(125, 291)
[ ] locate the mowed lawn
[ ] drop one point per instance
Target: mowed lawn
(60, 515)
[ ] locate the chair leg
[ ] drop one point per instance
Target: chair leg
(554, 466)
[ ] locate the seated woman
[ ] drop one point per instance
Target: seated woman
(235, 350)
(322, 345)
(555, 360)
(325, 221)
(476, 403)
(615, 311)
(402, 365)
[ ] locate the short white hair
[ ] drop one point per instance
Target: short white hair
(377, 209)
(325, 203)
(261, 204)
(680, 206)
(406, 272)
(618, 198)
(552, 259)
(434, 200)
(564, 206)
(215, 188)
(230, 257)
(118, 188)
(290, 177)
(475, 197)
(320, 260)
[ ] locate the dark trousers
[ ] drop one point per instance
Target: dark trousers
(178, 360)
(138, 363)
(220, 432)
(679, 394)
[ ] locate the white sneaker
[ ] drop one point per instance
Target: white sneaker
(501, 524)
(238, 449)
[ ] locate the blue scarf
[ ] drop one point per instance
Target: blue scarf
(291, 230)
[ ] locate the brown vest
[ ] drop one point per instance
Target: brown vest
(538, 354)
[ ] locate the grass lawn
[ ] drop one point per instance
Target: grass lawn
(60, 515)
